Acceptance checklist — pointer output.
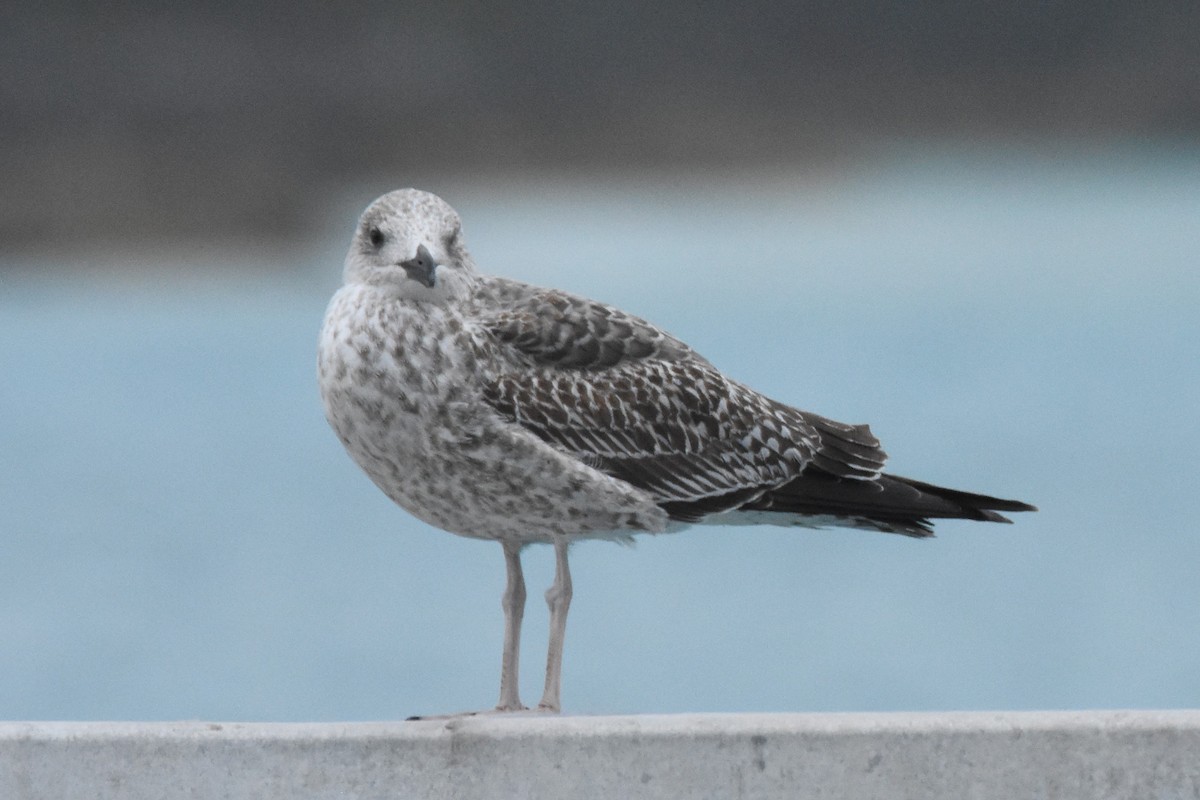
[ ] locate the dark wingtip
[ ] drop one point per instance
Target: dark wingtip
(1008, 505)
(981, 503)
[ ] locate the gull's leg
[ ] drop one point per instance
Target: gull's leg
(513, 603)
(558, 597)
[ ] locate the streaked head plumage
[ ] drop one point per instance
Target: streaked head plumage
(396, 236)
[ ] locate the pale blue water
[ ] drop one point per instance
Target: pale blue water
(182, 537)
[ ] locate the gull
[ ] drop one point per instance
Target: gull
(499, 410)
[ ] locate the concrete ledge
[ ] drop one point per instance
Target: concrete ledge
(1093, 755)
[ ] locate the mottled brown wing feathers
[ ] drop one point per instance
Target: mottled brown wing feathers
(570, 332)
(638, 404)
(677, 430)
(847, 451)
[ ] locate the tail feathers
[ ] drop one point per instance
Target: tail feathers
(889, 503)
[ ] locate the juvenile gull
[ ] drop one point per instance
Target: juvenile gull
(498, 410)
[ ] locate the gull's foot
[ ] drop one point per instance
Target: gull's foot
(457, 715)
(507, 709)
(520, 711)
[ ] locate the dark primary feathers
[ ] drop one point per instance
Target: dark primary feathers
(640, 405)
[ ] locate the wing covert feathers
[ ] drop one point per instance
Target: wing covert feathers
(640, 405)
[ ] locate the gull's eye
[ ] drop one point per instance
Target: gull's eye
(376, 236)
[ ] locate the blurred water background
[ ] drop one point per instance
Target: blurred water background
(1014, 309)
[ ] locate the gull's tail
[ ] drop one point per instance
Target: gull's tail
(889, 503)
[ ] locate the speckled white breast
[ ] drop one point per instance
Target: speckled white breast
(401, 386)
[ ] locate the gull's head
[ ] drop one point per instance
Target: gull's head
(409, 242)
